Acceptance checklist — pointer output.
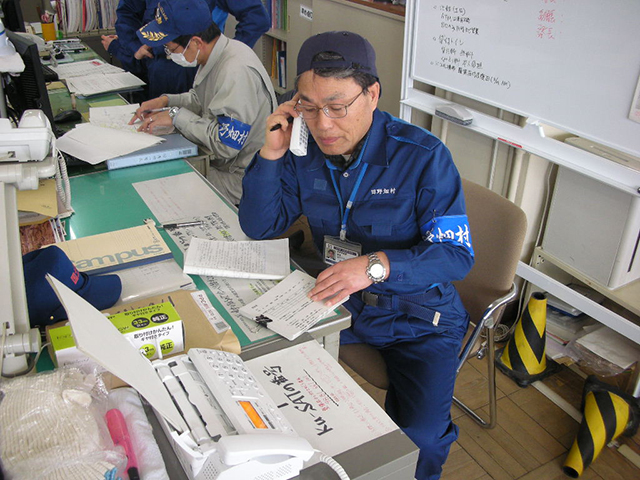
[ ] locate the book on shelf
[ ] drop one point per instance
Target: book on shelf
(264, 259)
(286, 309)
(174, 146)
(111, 251)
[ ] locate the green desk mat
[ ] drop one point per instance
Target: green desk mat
(106, 201)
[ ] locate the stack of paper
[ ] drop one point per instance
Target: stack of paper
(286, 309)
(266, 259)
(97, 144)
(100, 83)
(92, 77)
(88, 67)
(116, 117)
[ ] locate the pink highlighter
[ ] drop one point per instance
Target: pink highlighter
(120, 436)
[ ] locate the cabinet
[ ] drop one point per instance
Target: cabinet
(287, 40)
(381, 24)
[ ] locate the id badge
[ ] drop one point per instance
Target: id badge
(336, 250)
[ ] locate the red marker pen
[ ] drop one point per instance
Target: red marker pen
(120, 436)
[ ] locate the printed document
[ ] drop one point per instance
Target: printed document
(320, 400)
(94, 84)
(266, 259)
(89, 67)
(116, 117)
(97, 144)
(286, 309)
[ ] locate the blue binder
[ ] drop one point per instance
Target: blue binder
(174, 146)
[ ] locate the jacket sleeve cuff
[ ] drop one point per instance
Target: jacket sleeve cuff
(398, 265)
(173, 98)
(270, 169)
(184, 118)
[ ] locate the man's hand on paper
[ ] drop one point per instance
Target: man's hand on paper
(147, 109)
(343, 279)
(143, 52)
(156, 123)
(278, 134)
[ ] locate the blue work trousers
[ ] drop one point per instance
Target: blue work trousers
(422, 374)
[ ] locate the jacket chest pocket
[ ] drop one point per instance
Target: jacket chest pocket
(385, 219)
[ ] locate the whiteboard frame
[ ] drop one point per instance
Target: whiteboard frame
(529, 138)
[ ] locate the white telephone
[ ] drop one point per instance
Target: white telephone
(235, 429)
(299, 137)
(31, 141)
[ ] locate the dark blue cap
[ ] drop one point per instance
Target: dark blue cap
(101, 291)
(356, 51)
(175, 18)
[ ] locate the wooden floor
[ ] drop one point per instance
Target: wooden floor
(533, 434)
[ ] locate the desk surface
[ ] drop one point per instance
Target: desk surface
(107, 201)
(392, 456)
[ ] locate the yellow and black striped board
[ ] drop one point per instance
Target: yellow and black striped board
(523, 358)
(607, 414)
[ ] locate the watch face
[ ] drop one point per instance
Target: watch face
(376, 271)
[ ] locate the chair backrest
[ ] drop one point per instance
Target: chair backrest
(498, 228)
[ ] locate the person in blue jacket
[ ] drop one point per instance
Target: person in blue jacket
(386, 209)
(165, 76)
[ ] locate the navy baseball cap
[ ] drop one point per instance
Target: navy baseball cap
(101, 291)
(356, 51)
(175, 18)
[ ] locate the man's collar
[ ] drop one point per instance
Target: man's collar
(220, 43)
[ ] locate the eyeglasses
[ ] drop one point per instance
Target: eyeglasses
(331, 110)
(169, 52)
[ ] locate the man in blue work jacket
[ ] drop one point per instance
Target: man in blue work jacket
(384, 197)
(164, 76)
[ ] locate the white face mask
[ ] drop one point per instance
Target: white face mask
(182, 61)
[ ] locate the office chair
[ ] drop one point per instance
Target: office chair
(498, 228)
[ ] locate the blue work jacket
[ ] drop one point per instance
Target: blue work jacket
(165, 76)
(409, 204)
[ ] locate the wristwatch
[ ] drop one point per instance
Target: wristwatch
(173, 111)
(375, 270)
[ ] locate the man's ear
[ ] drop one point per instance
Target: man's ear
(374, 93)
(198, 40)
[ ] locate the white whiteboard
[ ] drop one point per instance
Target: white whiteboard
(572, 64)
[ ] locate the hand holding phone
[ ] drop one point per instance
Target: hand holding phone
(299, 137)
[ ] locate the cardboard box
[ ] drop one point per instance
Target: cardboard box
(148, 328)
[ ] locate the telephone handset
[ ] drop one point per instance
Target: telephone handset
(237, 449)
(299, 137)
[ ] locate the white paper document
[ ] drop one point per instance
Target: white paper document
(94, 84)
(116, 117)
(286, 309)
(611, 346)
(97, 144)
(265, 259)
(89, 67)
(152, 279)
(320, 400)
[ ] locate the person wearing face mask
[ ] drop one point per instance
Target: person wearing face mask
(225, 111)
(163, 75)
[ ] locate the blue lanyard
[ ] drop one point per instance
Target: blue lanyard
(344, 211)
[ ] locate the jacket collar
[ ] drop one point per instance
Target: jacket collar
(374, 150)
(212, 61)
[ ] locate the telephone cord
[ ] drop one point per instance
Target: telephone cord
(333, 464)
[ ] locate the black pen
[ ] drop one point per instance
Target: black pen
(198, 223)
(278, 126)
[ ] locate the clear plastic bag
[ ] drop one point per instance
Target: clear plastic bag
(52, 427)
